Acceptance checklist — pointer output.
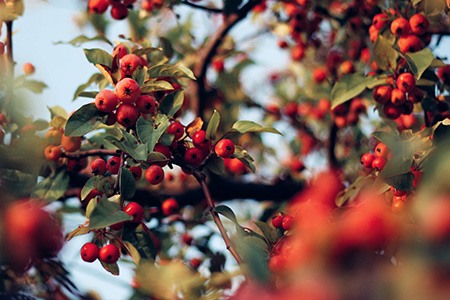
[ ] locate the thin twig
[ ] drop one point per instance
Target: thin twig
(9, 49)
(197, 6)
(201, 179)
(94, 152)
(332, 140)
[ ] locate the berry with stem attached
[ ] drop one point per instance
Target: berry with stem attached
(224, 148)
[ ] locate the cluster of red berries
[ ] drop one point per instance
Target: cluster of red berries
(348, 113)
(119, 8)
(411, 33)
(398, 99)
(378, 159)
(282, 221)
(110, 253)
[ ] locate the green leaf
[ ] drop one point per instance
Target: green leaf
(215, 164)
(53, 187)
(107, 213)
(154, 85)
(140, 75)
(254, 252)
(166, 70)
(391, 139)
(94, 78)
(40, 124)
(35, 86)
(147, 50)
(243, 156)
(127, 184)
(136, 150)
(350, 86)
(213, 124)
(111, 268)
(98, 56)
(172, 103)
(81, 39)
(420, 61)
(84, 120)
(226, 212)
(149, 132)
(269, 233)
(140, 238)
(56, 111)
(402, 182)
(91, 184)
(133, 252)
(88, 94)
(385, 54)
(250, 126)
(154, 157)
(76, 232)
(352, 191)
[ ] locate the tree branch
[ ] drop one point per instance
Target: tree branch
(332, 140)
(9, 45)
(201, 179)
(208, 9)
(94, 152)
(206, 54)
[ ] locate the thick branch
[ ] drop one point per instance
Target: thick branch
(332, 140)
(201, 179)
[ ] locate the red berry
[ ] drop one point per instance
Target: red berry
(98, 166)
(106, 101)
(127, 90)
(113, 165)
(419, 24)
(224, 148)
(378, 163)
(195, 262)
(193, 156)
(146, 104)
(410, 43)
(119, 51)
(187, 238)
(154, 174)
(398, 97)
(137, 172)
(51, 153)
(129, 63)
(218, 65)
(406, 82)
(277, 221)
(109, 254)
(119, 11)
(200, 141)
(382, 94)
(89, 252)
(169, 207)
(177, 129)
(135, 210)
(380, 20)
(391, 111)
(400, 27)
(98, 6)
(288, 222)
(127, 115)
(367, 160)
(381, 150)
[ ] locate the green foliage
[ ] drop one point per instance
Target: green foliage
(127, 184)
(53, 187)
(150, 131)
(84, 120)
(98, 56)
(107, 213)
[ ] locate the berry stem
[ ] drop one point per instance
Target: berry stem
(202, 180)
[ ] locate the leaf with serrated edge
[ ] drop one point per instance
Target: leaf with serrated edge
(107, 213)
(213, 124)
